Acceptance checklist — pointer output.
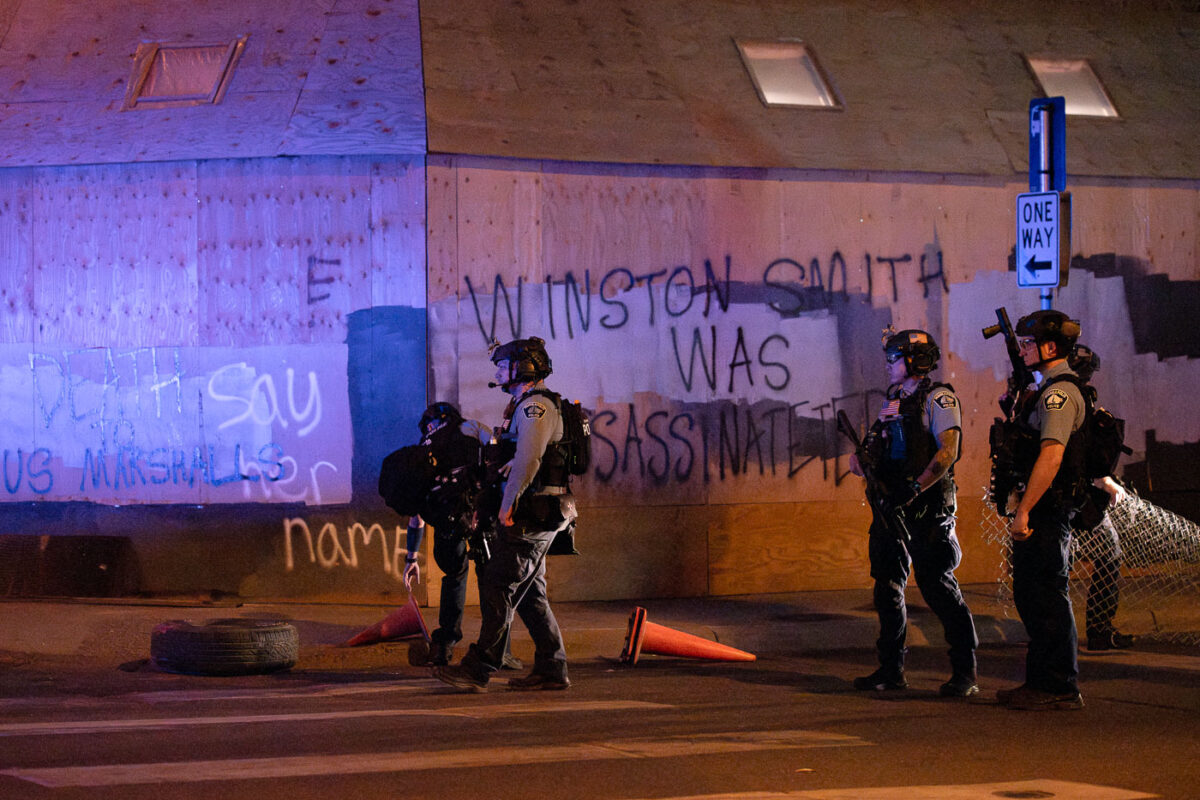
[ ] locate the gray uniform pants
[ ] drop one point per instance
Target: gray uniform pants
(514, 581)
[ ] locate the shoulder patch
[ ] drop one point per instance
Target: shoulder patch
(534, 411)
(946, 400)
(1054, 399)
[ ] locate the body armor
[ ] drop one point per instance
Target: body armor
(903, 447)
(1016, 445)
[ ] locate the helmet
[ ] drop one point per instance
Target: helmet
(528, 361)
(446, 413)
(1049, 325)
(1083, 361)
(918, 348)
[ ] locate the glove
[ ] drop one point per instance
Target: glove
(903, 495)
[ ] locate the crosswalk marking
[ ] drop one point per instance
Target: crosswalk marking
(472, 712)
(176, 772)
(1059, 790)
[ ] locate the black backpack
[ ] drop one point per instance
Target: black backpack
(577, 436)
(576, 444)
(440, 478)
(1103, 441)
(1103, 434)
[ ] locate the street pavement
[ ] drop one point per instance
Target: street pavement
(98, 635)
(83, 713)
(112, 632)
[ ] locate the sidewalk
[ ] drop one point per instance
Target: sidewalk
(111, 632)
(66, 634)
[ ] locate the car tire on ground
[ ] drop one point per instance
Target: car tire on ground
(224, 647)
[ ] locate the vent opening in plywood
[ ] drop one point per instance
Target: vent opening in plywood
(1073, 80)
(785, 72)
(166, 75)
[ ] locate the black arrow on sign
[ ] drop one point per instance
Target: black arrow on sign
(1034, 267)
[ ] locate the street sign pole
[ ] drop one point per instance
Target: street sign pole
(1048, 170)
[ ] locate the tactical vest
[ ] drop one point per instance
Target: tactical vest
(553, 473)
(1070, 484)
(903, 447)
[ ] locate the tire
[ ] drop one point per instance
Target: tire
(224, 647)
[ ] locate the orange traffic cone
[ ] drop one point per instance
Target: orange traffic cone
(403, 622)
(644, 636)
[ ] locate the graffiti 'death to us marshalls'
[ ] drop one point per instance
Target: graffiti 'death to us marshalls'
(170, 425)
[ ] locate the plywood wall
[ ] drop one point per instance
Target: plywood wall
(245, 337)
(206, 362)
(722, 474)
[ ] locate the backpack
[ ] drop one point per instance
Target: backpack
(1102, 433)
(576, 443)
(577, 437)
(405, 478)
(1102, 437)
(440, 478)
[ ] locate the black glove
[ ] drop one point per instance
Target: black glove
(904, 494)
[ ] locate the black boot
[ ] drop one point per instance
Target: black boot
(960, 684)
(882, 679)
(1111, 639)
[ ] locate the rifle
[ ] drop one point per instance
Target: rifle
(1008, 441)
(1021, 375)
(892, 518)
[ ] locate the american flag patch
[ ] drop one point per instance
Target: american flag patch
(890, 410)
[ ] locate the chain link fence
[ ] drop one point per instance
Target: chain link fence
(1156, 566)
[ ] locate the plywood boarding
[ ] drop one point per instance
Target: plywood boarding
(662, 83)
(625, 553)
(16, 279)
(284, 248)
(323, 78)
(114, 255)
(855, 256)
(789, 547)
(365, 94)
(397, 234)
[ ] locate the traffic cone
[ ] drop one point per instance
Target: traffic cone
(403, 622)
(644, 636)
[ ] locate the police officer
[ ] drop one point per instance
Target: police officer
(914, 444)
(536, 505)
(456, 442)
(1040, 526)
(1097, 536)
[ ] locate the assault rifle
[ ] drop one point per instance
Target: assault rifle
(892, 518)
(1022, 376)
(1009, 442)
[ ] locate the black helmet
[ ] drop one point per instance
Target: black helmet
(918, 348)
(1049, 325)
(528, 361)
(445, 413)
(1083, 361)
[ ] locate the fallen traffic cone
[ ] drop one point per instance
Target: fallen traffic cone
(400, 624)
(644, 636)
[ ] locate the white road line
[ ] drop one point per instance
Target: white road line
(1059, 790)
(473, 712)
(217, 695)
(176, 772)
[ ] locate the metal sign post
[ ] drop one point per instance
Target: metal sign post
(1044, 215)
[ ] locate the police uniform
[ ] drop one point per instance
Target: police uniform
(449, 545)
(1041, 563)
(905, 440)
(514, 579)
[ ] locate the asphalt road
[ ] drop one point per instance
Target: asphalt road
(783, 726)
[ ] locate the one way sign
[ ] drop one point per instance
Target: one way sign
(1043, 239)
